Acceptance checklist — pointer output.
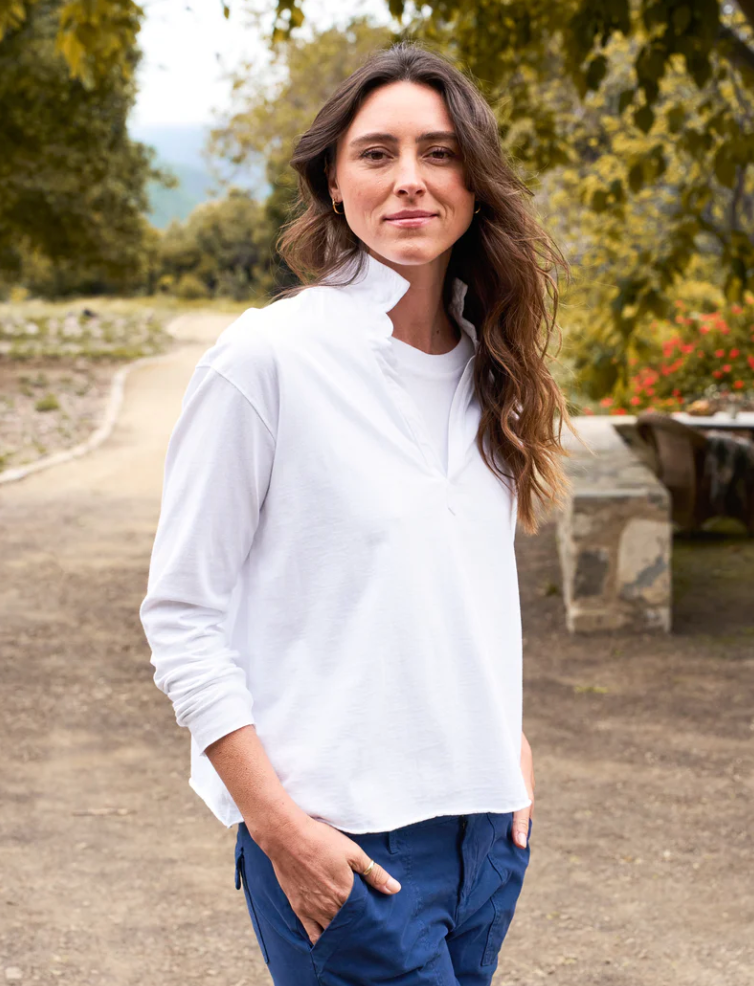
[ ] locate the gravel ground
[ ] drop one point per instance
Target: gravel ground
(112, 871)
(46, 406)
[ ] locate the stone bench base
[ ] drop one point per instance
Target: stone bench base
(614, 536)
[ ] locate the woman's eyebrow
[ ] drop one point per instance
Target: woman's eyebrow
(392, 139)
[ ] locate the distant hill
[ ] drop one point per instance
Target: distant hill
(180, 149)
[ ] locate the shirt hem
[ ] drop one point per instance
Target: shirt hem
(233, 816)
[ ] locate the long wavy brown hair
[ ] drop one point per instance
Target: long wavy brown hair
(506, 258)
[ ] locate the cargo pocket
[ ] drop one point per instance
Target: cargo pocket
(241, 878)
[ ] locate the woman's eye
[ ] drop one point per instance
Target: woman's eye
(438, 153)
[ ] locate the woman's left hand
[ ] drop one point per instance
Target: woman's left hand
(521, 817)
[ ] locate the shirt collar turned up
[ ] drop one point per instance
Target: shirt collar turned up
(384, 287)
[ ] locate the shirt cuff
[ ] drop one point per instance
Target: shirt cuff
(225, 717)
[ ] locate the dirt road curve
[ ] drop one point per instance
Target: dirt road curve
(112, 872)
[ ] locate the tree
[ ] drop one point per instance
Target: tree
(223, 248)
(664, 232)
(72, 182)
(95, 37)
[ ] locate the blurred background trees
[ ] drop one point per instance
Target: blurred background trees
(223, 248)
(72, 183)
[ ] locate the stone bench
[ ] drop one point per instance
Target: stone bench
(614, 535)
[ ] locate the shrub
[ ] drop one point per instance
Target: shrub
(47, 403)
(191, 287)
(701, 355)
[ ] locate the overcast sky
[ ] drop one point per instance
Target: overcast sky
(188, 46)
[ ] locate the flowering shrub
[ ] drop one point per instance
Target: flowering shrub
(708, 355)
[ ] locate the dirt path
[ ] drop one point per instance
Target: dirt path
(641, 868)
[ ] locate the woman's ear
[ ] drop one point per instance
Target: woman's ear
(332, 181)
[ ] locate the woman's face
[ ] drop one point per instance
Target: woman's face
(400, 155)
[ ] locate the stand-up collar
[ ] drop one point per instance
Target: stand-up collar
(384, 287)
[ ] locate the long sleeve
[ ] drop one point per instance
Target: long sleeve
(217, 472)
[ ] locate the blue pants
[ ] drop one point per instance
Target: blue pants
(460, 878)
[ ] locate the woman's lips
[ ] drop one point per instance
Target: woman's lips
(411, 222)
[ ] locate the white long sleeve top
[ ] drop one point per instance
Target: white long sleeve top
(320, 573)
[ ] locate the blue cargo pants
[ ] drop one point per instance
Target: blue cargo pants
(460, 876)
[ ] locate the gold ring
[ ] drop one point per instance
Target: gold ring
(366, 871)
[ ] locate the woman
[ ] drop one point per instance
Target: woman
(333, 600)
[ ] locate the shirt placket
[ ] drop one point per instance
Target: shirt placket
(457, 438)
(415, 422)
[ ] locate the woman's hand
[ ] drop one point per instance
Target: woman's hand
(314, 864)
(521, 817)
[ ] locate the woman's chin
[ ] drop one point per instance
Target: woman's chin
(409, 253)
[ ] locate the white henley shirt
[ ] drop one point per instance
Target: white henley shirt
(319, 572)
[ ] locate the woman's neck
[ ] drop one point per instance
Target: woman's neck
(419, 318)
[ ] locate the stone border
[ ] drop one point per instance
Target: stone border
(97, 437)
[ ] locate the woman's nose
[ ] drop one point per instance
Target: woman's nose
(408, 176)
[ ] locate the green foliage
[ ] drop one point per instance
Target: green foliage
(96, 37)
(47, 403)
(190, 287)
(223, 249)
(72, 183)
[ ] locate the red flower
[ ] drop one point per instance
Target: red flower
(726, 367)
(736, 309)
(738, 384)
(750, 361)
(676, 392)
(734, 353)
(717, 374)
(704, 329)
(588, 410)
(636, 400)
(688, 348)
(606, 401)
(719, 353)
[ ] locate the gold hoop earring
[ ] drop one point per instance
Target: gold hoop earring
(335, 210)
(477, 208)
